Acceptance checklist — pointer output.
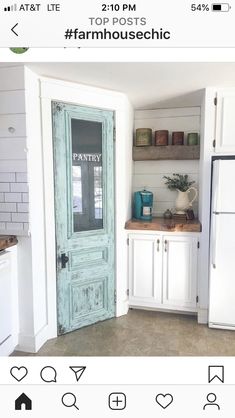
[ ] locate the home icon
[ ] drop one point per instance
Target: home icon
(23, 402)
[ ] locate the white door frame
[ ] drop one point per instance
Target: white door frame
(40, 91)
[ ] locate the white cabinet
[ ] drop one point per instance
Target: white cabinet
(9, 329)
(163, 271)
(145, 269)
(179, 271)
(225, 121)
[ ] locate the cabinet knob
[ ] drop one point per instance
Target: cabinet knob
(165, 243)
(158, 245)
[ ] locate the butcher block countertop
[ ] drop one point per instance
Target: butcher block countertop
(161, 224)
(7, 241)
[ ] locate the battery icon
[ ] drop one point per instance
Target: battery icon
(220, 7)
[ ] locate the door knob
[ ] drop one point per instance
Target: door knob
(64, 260)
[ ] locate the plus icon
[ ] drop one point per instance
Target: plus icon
(117, 401)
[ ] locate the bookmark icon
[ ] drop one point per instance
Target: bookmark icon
(216, 373)
(78, 371)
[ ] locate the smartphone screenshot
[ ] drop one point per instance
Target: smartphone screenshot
(117, 208)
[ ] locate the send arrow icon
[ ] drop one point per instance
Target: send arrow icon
(78, 370)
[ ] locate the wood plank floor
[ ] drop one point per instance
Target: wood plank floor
(143, 333)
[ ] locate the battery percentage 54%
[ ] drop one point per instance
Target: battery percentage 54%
(200, 7)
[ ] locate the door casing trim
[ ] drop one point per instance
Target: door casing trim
(44, 90)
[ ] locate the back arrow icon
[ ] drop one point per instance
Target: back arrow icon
(12, 29)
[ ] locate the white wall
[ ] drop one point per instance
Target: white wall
(13, 164)
(149, 174)
(38, 315)
(207, 151)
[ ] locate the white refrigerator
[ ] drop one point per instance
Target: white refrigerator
(222, 246)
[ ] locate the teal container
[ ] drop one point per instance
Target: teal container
(143, 205)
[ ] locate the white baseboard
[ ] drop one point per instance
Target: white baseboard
(8, 346)
(122, 308)
(33, 343)
(202, 316)
(163, 310)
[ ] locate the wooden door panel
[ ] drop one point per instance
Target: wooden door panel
(88, 257)
(88, 298)
(84, 214)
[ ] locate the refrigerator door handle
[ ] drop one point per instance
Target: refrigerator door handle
(215, 185)
(214, 239)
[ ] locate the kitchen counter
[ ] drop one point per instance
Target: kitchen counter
(7, 241)
(162, 224)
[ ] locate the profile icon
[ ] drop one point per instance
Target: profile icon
(211, 398)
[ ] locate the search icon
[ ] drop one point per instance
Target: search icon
(69, 400)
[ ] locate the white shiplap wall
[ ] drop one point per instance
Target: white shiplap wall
(149, 174)
(13, 164)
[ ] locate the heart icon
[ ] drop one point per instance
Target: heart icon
(19, 373)
(164, 400)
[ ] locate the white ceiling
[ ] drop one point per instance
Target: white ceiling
(148, 85)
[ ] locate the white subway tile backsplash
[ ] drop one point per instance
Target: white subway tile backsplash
(13, 197)
(22, 207)
(26, 227)
(7, 177)
(21, 177)
(19, 187)
(25, 197)
(9, 166)
(16, 226)
(5, 217)
(7, 207)
(4, 187)
(13, 147)
(13, 156)
(20, 217)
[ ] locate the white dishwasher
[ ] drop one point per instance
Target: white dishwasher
(5, 297)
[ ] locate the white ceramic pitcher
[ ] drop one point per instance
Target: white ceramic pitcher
(182, 202)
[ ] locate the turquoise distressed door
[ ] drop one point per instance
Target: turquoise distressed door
(84, 212)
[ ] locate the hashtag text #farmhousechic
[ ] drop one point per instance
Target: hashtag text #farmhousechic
(125, 35)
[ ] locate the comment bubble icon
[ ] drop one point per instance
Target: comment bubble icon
(48, 374)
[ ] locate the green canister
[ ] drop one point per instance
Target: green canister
(143, 137)
(193, 138)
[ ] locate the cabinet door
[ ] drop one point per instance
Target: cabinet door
(145, 269)
(179, 272)
(225, 121)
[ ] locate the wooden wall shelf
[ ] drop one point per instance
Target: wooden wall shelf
(168, 152)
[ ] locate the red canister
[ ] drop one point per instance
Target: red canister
(177, 138)
(161, 137)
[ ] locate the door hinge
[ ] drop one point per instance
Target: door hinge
(214, 143)
(115, 297)
(127, 292)
(197, 299)
(215, 101)
(128, 241)
(61, 329)
(198, 244)
(114, 134)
